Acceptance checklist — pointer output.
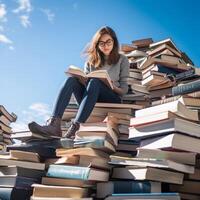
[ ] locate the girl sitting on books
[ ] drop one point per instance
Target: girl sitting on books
(102, 54)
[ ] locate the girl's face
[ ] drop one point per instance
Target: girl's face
(105, 44)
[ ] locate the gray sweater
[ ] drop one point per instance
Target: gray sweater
(118, 72)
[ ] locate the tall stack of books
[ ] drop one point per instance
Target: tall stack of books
(6, 119)
(169, 132)
(157, 69)
(24, 163)
(76, 170)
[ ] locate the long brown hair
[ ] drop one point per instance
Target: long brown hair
(96, 58)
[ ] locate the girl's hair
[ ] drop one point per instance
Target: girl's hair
(96, 58)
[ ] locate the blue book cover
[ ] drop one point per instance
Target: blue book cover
(70, 172)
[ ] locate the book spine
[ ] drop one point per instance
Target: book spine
(186, 88)
(132, 187)
(71, 172)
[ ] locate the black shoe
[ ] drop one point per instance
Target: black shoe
(72, 130)
(53, 129)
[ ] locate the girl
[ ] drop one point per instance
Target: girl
(103, 53)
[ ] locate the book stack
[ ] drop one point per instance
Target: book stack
(156, 71)
(76, 170)
(18, 171)
(168, 132)
(73, 174)
(6, 119)
(99, 113)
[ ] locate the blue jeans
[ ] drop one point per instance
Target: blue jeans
(86, 96)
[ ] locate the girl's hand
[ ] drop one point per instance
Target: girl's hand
(117, 89)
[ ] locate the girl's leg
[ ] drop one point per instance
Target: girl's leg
(95, 91)
(72, 85)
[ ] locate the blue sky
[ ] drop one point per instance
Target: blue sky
(40, 38)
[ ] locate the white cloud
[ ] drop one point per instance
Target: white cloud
(19, 126)
(41, 109)
(3, 13)
(4, 39)
(24, 19)
(50, 15)
(38, 112)
(24, 6)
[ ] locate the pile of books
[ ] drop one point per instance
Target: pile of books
(157, 69)
(6, 119)
(77, 170)
(169, 136)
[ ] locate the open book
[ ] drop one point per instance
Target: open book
(100, 74)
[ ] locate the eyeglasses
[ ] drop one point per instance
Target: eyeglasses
(108, 42)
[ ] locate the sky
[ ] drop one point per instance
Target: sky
(39, 39)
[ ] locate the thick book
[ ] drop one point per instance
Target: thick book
(156, 79)
(176, 107)
(163, 47)
(10, 116)
(26, 164)
(164, 127)
(171, 64)
(5, 120)
(81, 151)
(25, 136)
(5, 128)
(77, 172)
(142, 42)
(186, 100)
(67, 182)
(137, 121)
(21, 171)
(12, 193)
(151, 162)
(142, 196)
(98, 129)
(117, 187)
(186, 88)
(180, 157)
(173, 142)
(128, 47)
(24, 156)
(100, 74)
(17, 181)
(148, 173)
(161, 69)
(58, 191)
(118, 105)
(167, 41)
(98, 143)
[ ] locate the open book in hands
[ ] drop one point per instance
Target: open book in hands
(100, 74)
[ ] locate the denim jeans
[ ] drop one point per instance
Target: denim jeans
(86, 96)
